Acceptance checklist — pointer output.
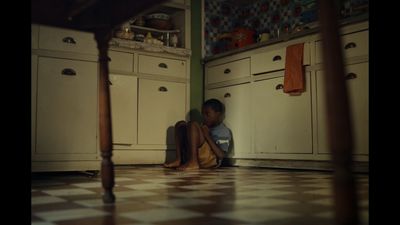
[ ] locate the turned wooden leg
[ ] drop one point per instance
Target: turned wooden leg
(103, 37)
(340, 131)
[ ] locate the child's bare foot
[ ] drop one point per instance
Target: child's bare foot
(188, 166)
(173, 164)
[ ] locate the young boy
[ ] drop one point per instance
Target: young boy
(204, 145)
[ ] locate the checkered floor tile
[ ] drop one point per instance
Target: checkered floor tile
(154, 195)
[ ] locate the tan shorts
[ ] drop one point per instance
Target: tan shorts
(206, 157)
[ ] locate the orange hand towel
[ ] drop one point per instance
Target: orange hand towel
(294, 72)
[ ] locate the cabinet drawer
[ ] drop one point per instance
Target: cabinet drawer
(121, 61)
(274, 60)
(228, 71)
(355, 44)
(52, 38)
(162, 66)
(268, 61)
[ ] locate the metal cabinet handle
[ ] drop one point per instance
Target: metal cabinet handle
(163, 65)
(350, 76)
(277, 58)
(68, 72)
(162, 89)
(69, 40)
(279, 86)
(226, 71)
(350, 45)
(227, 95)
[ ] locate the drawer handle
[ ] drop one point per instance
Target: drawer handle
(226, 71)
(277, 58)
(69, 40)
(163, 65)
(162, 89)
(68, 72)
(350, 45)
(279, 86)
(351, 76)
(109, 82)
(227, 95)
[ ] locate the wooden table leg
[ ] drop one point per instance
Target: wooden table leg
(339, 124)
(103, 36)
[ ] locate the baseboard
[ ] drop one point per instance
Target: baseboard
(359, 167)
(92, 165)
(146, 156)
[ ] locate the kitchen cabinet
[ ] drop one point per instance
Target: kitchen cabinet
(275, 128)
(160, 105)
(355, 44)
(281, 123)
(146, 102)
(64, 100)
(237, 116)
(357, 77)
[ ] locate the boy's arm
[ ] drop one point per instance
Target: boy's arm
(214, 147)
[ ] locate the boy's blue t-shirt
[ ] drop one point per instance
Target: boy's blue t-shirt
(222, 136)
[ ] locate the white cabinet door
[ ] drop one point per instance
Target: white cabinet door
(123, 91)
(357, 87)
(161, 105)
(66, 110)
(237, 111)
(281, 123)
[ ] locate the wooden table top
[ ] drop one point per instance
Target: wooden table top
(87, 15)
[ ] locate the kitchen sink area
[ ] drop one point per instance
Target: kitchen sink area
(234, 26)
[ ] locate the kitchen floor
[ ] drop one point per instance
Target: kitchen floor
(153, 195)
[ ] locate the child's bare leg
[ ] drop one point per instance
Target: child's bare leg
(195, 138)
(180, 139)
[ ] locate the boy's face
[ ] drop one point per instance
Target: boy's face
(210, 117)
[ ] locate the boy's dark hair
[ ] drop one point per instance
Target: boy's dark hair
(215, 104)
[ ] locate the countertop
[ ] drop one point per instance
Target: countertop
(343, 22)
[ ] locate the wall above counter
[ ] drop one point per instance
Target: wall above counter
(276, 18)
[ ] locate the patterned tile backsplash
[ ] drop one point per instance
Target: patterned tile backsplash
(221, 16)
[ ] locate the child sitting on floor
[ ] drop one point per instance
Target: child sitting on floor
(204, 145)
